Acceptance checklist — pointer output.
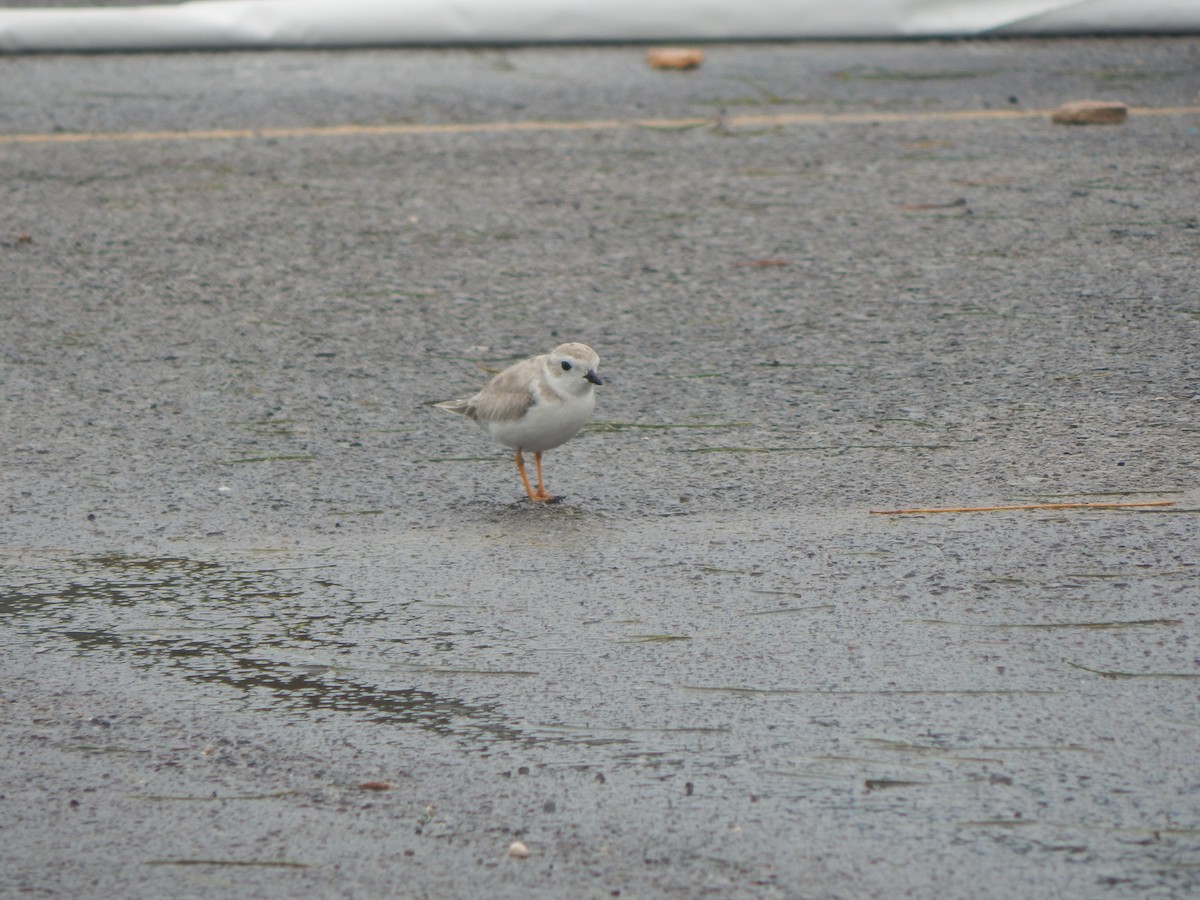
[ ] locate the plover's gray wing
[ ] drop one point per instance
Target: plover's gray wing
(508, 396)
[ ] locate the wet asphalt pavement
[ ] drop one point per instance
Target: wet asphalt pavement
(273, 627)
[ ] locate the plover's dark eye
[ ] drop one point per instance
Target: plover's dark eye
(566, 366)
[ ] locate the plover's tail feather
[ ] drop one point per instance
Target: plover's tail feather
(455, 406)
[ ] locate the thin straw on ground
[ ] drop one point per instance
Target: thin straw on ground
(971, 509)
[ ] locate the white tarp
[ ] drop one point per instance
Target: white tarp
(211, 24)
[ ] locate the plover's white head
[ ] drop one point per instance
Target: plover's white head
(571, 368)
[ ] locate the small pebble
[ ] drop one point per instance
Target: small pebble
(673, 58)
(1090, 112)
(517, 850)
(375, 786)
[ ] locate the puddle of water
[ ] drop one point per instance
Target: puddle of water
(281, 641)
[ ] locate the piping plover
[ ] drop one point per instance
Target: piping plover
(536, 404)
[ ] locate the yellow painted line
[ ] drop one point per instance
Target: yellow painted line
(742, 121)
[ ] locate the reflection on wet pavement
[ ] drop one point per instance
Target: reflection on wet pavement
(878, 679)
(262, 631)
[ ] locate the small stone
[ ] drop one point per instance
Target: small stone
(674, 58)
(375, 786)
(1090, 112)
(517, 850)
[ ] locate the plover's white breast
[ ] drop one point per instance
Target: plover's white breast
(547, 424)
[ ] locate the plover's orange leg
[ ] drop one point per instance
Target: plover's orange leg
(543, 495)
(525, 478)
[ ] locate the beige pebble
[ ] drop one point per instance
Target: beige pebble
(518, 850)
(1090, 112)
(674, 58)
